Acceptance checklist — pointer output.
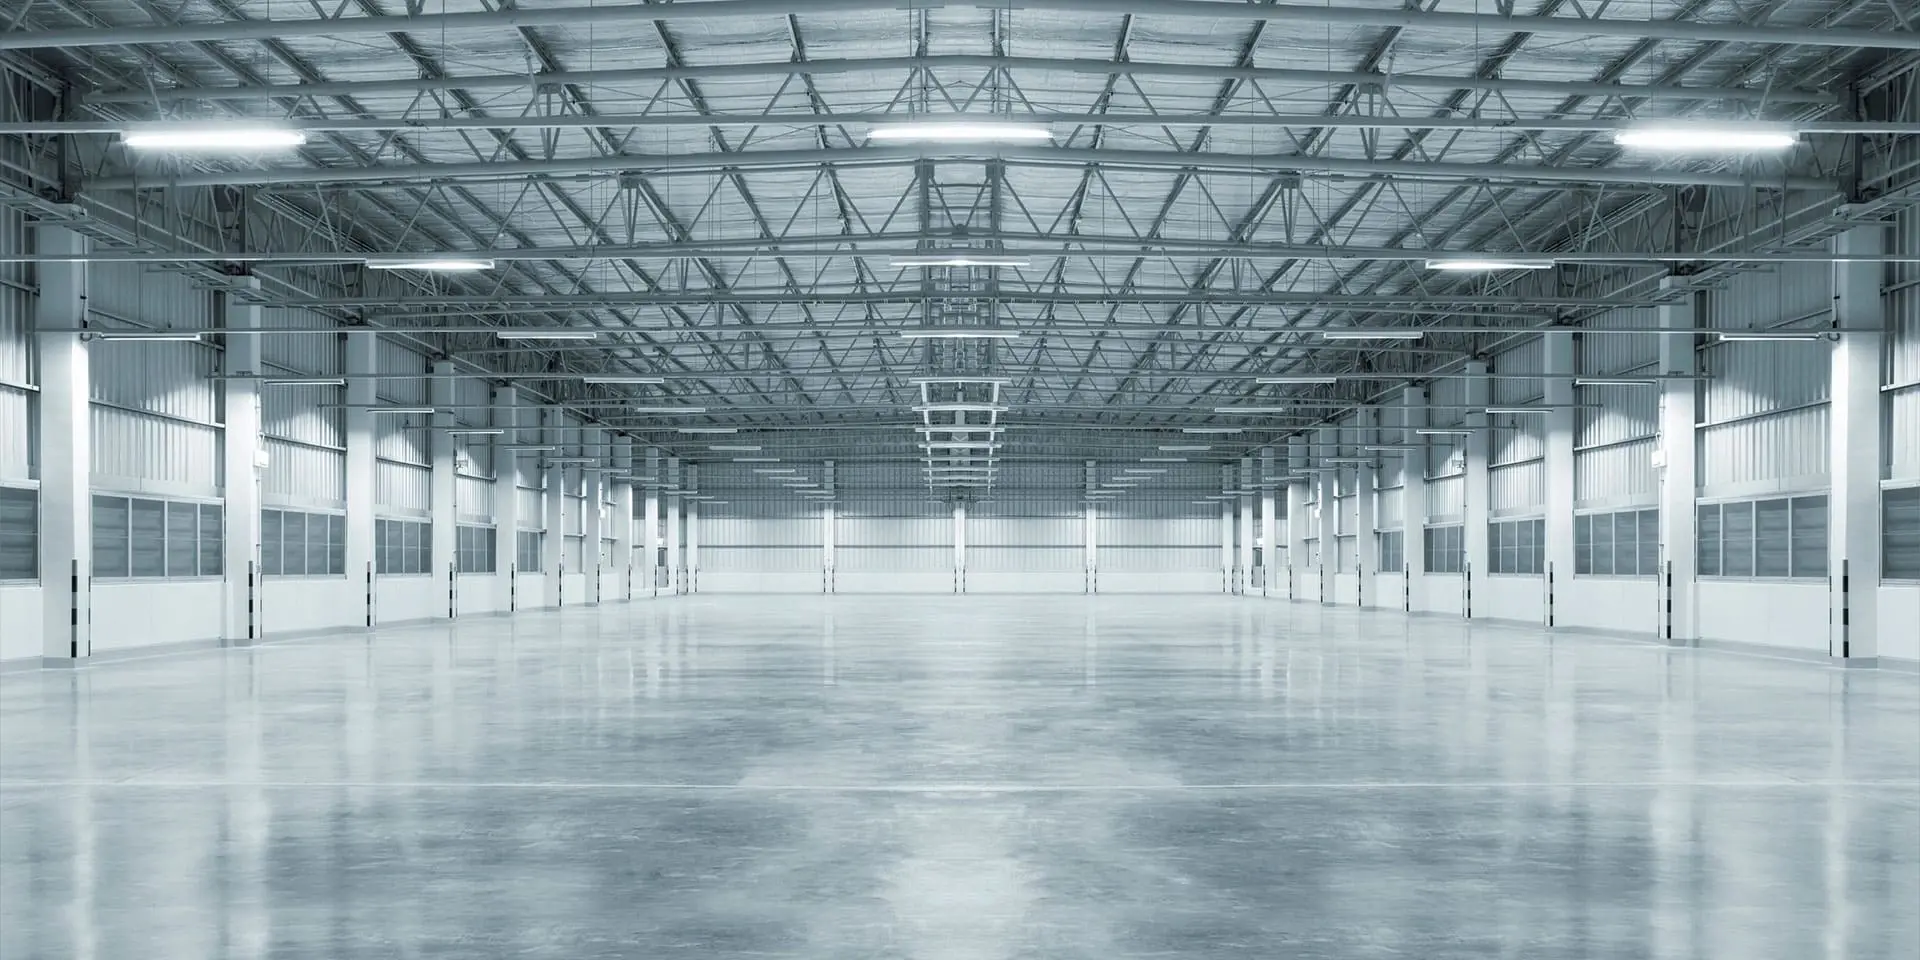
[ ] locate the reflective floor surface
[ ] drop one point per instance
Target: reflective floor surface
(960, 778)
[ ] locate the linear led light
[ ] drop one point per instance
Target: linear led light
(960, 408)
(476, 431)
(431, 264)
(667, 410)
(756, 459)
(1349, 460)
(402, 410)
(734, 447)
(1614, 382)
(148, 336)
(1251, 410)
(961, 131)
(709, 429)
(1780, 336)
(1144, 470)
(1390, 447)
(775, 470)
(232, 138)
(571, 461)
(1163, 459)
(958, 258)
(561, 334)
(305, 382)
(1372, 333)
(1501, 410)
(1220, 430)
(1487, 264)
(1183, 447)
(960, 333)
(533, 448)
(612, 379)
(1302, 378)
(1444, 431)
(1693, 138)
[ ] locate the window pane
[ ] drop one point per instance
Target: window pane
(183, 539)
(1900, 528)
(1770, 529)
(1603, 528)
(1707, 540)
(316, 544)
(336, 544)
(270, 542)
(213, 543)
(293, 548)
(109, 537)
(147, 542)
(1539, 561)
(1626, 543)
(1649, 543)
(1810, 537)
(19, 534)
(1736, 523)
(1583, 544)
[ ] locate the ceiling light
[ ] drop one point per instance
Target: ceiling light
(614, 379)
(1780, 336)
(305, 382)
(1143, 470)
(430, 264)
(532, 447)
(666, 410)
(1390, 447)
(1250, 410)
(476, 431)
(1501, 410)
(960, 333)
(734, 447)
(1444, 431)
(1362, 461)
(1163, 459)
(1220, 430)
(1302, 378)
(1695, 138)
(709, 429)
(1373, 333)
(958, 258)
(756, 459)
(148, 336)
(1183, 447)
(961, 130)
(571, 461)
(235, 138)
(402, 410)
(1614, 382)
(558, 334)
(1485, 264)
(775, 470)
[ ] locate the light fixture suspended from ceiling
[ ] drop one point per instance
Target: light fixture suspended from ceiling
(958, 258)
(1372, 333)
(212, 138)
(1487, 264)
(961, 130)
(562, 333)
(430, 264)
(1695, 138)
(960, 333)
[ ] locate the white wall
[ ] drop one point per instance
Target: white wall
(530, 591)
(1900, 621)
(143, 613)
(1790, 615)
(1622, 604)
(1443, 593)
(307, 604)
(1502, 597)
(20, 621)
(476, 594)
(401, 599)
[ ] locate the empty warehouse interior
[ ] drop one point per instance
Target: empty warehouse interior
(960, 480)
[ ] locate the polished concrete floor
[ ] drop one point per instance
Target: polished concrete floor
(960, 779)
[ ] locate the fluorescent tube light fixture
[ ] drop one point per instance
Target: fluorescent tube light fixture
(1251, 410)
(572, 461)
(403, 410)
(1299, 378)
(1184, 447)
(1506, 410)
(756, 459)
(431, 264)
(709, 429)
(1204, 430)
(477, 431)
(565, 333)
(306, 382)
(959, 258)
(147, 336)
(961, 130)
(960, 333)
(1697, 138)
(533, 447)
(602, 378)
(211, 138)
(1444, 431)
(1488, 264)
(665, 410)
(1773, 336)
(1614, 382)
(734, 447)
(1371, 333)
(1163, 459)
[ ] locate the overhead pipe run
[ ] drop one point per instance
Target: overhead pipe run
(775, 10)
(708, 163)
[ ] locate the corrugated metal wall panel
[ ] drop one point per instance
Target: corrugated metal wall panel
(391, 357)
(474, 497)
(298, 474)
(893, 531)
(892, 560)
(1446, 457)
(1615, 354)
(1523, 358)
(1447, 498)
(1391, 507)
(1446, 396)
(573, 514)
(164, 378)
(731, 530)
(1755, 378)
(1026, 532)
(402, 486)
(1766, 296)
(1518, 438)
(148, 295)
(16, 433)
(1902, 366)
(533, 507)
(1026, 559)
(1903, 434)
(1621, 474)
(309, 415)
(142, 451)
(402, 439)
(16, 303)
(1159, 559)
(287, 353)
(1782, 451)
(1616, 414)
(735, 558)
(1520, 487)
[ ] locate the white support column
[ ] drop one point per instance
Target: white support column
(1413, 497)
(240, 580)
(692, 584)
(959, 548)
(622, 518)
(1854, 450)
(1366, 509)
(66, 461)
(506, 498)
(1089, 529)
(676, 570)
(362, 360)
(1270, 530)
(554, 507)
(443, 484)
(828, 514)
(1243, 575)
(1228, 564)
(593, 443)
(650, 523)
(1479, 486)
(1677, 621)
(1297, 519)
(1561, 425)
(1329, 531)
